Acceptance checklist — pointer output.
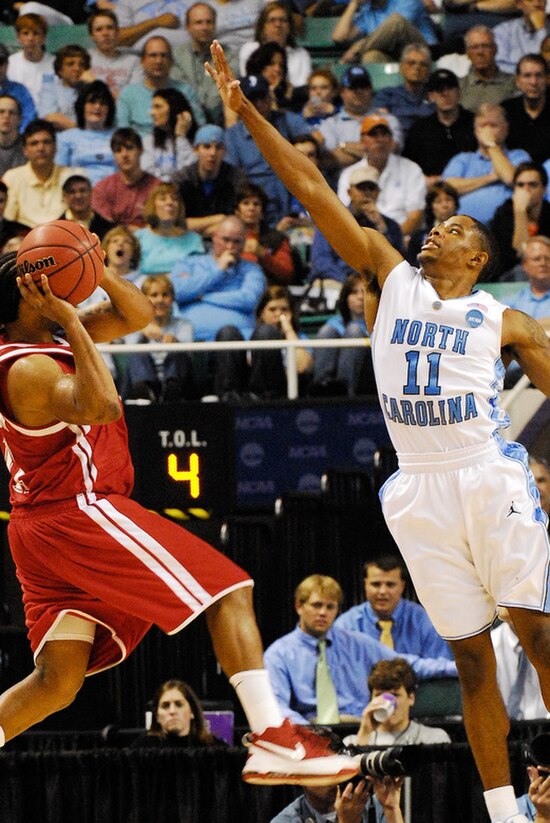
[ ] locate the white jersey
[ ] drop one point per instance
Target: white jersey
(438, 365)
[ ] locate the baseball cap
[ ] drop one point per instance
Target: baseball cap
(209, 134)
(373, 121)
(4, 53)
(442, 79)
(254, 86)
(356, 77)
(364, 174)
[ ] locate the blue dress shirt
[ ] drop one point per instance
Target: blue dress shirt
(528, 302)
(412, 630)
(482, 203)
(292, 660)
(210, 297)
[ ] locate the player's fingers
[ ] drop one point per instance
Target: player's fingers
(45, 284)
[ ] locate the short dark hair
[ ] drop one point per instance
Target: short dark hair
(487, 243)
(95, 92)
(530, 165)
(386, 562)
(125, 136)
(70, 50)
(75, 178)
(9, 293)
(36, 125)
(101, 13)
(531, 58)
(437, 188)
(3, 187)
(11, 97)
(387, 675)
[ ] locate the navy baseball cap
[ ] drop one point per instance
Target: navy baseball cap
(442, 79)
(356, 77)
(254, 86)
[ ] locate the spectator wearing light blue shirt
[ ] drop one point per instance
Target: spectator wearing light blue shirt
(534, 299)
(58, 98)
(382, 30)
(412, 631)
(134, 102)
(89, 144)
(484, 178)
(521, 35)
(220, 288)
(292, 659)
(17, 90)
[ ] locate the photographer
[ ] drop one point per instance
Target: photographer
(350, 804)
(535, 805)
(392, 685)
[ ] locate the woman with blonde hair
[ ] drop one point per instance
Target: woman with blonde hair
(166, 239)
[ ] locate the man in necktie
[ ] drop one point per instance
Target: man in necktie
(389, 617)
(319, 671)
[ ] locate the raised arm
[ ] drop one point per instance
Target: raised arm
(365, 250)
(40, 392)
(128, 310)
(524, 340)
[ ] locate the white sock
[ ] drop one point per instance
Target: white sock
(2, 737)
(255, 693)
(501, 803)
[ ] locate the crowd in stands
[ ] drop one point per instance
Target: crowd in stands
(129, 131)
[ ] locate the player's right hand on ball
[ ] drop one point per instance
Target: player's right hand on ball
(41, 298)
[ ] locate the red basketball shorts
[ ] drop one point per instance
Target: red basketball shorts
(118, 564)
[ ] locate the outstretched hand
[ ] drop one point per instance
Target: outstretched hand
(220, 72)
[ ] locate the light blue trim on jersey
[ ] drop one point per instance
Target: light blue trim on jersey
(518, 453)
(391, 479)
(498, 414)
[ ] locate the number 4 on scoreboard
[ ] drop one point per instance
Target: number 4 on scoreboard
(190, 475)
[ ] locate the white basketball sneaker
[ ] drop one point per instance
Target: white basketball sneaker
(298, 755)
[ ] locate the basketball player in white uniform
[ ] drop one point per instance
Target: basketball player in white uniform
(463, 506)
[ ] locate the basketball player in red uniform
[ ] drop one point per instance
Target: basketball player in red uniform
(97, 570)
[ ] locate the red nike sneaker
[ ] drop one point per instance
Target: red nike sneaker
(297, 755)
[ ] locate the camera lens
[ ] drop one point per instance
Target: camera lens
(384, 762)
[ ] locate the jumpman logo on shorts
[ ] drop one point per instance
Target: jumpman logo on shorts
(512, 510)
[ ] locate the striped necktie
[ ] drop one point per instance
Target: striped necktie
(327, 700)
(385, 632)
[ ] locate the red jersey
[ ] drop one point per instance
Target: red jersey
(63, 460)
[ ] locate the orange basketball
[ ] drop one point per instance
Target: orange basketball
(68, 254)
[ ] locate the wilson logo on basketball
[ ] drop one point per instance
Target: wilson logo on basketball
(29, 268)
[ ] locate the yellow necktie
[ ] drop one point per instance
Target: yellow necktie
(327, 699)
(385, 633)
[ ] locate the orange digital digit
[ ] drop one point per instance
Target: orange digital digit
(190, 475)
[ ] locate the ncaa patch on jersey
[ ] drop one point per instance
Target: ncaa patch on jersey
(474, 318)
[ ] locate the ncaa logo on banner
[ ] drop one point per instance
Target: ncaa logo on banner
(363, 450)
(308, 421)
(252, 454)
